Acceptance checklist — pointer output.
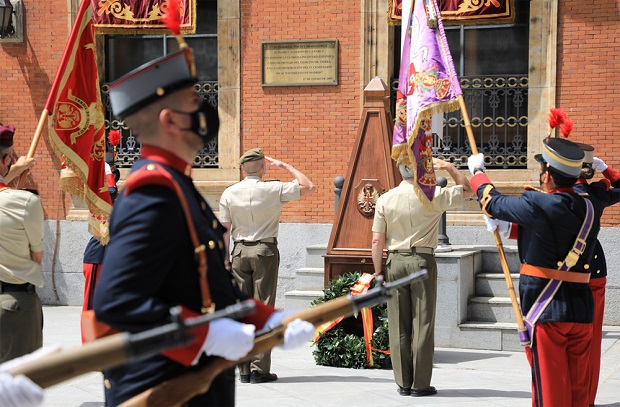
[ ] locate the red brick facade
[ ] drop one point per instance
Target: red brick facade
(311, 127)
(314, 127)
(588, 76)
(28, 69)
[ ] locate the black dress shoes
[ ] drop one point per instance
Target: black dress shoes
(244, 378)
(429, 391)
(403, 391)
(256, 377)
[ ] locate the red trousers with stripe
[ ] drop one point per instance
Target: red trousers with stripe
(91, 275)
(597, 285)
(559, 362)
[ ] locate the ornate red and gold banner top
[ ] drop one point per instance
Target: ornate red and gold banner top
(456, 12)
(139, 16)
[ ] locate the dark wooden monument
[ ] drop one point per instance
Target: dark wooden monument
(371, 172)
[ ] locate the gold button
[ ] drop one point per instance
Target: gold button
(203, 206)
(586, 266)
(596, 256)
(150, 167)
(211, 244)
(160, 92)
(220, 244)
(598, 271)
(107, 384)
(214, 224)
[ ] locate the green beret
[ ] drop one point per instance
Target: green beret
(252, 155)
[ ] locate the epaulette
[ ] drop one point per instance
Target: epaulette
(584, 194)
(531, 188)
(150, 174)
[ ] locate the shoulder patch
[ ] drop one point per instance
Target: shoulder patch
(150, 174)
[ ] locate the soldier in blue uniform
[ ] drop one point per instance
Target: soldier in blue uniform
(549, 223)
(598, 265)
(153, 260)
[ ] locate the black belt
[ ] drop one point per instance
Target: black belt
(253, 242)
(9, 287)
(415, 250)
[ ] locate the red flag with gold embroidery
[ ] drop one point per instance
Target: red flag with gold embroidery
(140, 16)
(76, 123)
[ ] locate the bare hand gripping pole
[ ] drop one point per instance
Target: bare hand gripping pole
(177, 391)
(121, 348)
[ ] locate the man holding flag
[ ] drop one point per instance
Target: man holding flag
(407, 217)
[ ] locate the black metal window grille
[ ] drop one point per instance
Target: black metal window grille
(492, 64)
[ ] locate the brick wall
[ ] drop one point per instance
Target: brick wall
(311, 127)
(26, 75)
(588, 75)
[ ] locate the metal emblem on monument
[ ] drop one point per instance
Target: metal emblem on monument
(367, 192)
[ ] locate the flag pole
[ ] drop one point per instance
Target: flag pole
(84, 5)
(498, 239)
(33, 146)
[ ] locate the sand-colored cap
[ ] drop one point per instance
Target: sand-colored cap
(251, 155)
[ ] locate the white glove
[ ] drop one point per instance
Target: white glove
(229, 339)
(298, 332)
(19, 391)
(475, 161)
(598, 164)
(492, 224)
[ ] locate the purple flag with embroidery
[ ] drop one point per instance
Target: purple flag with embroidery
(428, 85)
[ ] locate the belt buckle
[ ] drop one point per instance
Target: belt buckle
(571, 258)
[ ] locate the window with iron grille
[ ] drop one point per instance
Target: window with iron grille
(492, 65)
(123, 53)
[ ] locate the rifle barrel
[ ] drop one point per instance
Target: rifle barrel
(115, 350)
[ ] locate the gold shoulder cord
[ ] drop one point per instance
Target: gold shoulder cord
(486, 198)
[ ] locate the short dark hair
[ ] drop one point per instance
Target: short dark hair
(560, 180)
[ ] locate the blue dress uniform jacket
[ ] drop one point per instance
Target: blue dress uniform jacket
(548, 227)
(149, 266)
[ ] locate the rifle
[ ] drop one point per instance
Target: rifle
(115, 350)
(179, 390)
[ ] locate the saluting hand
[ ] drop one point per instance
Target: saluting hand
(277, 163)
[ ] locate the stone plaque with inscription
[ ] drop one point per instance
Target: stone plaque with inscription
(298, 63)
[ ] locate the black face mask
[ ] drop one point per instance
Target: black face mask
(204, 121)
(540, 178)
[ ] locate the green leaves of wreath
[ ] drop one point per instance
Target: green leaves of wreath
(343, 345)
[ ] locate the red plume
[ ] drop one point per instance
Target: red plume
(114, 137)
(172, 16)
(566, 127)
(557, 117)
